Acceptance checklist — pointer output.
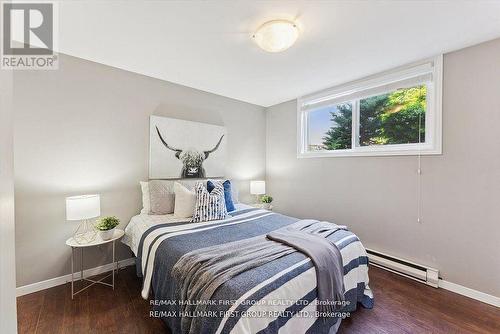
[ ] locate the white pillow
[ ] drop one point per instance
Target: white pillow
(146, 206)
(185, 201)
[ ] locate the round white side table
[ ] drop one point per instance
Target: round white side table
(262, 206)
(96, 242)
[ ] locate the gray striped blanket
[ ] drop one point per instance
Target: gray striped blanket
(277, 297)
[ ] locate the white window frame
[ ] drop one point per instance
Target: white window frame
(431, 69)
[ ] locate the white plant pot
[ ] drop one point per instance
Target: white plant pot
(106, 235)
(266, 206)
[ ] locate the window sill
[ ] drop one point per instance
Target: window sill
(367, 153)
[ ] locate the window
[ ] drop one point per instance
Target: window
(396, 113)
(330, 128)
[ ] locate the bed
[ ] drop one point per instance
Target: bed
(274, 298)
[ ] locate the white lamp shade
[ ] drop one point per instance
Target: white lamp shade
(83, 207)
(257, 187)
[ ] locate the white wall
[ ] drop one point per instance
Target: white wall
(376, 196)
(85, 129)
(8, 319)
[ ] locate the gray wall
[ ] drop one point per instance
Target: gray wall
(85, 129)
(376, 196)
(8, 319)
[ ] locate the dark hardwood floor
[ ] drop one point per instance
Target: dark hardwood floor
(401, 306)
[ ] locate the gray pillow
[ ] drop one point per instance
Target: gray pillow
(190, 184)
(161, 197)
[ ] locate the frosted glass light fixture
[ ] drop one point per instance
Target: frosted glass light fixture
(276, 35)
(83, 208)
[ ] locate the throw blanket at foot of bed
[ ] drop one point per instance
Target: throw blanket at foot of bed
(309, 237)
(246, 302)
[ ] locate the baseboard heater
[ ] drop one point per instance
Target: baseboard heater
(417, 272)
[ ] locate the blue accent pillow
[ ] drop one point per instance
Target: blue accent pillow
(228, 197)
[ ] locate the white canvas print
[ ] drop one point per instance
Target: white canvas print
(185, 149)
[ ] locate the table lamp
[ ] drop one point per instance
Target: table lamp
(83, 208)
(257, 188)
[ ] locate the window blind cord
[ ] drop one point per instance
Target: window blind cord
(419, 172)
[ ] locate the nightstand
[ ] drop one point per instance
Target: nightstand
(97, 242)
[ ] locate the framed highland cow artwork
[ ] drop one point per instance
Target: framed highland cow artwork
(183, 149)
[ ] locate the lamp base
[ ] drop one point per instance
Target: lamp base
(85, 233)
(257, 199)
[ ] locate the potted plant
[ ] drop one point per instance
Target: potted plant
(266, 201)
(106, 226)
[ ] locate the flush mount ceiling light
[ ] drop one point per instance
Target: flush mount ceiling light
(276, 35)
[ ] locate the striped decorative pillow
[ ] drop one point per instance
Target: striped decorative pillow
(209, 205)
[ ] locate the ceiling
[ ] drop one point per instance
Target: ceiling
(207, 45)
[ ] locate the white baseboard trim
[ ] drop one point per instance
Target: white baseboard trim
(38, 286)
(471, 293)
(30, 288)
(459, 289)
